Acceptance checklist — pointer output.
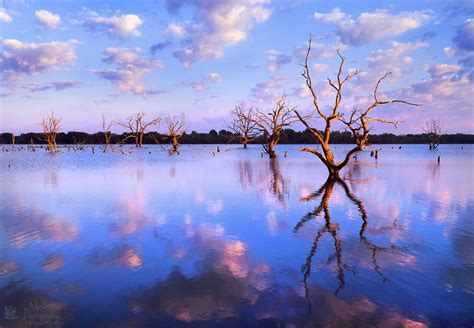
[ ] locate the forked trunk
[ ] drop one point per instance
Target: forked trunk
(174, 146)
(333, 171)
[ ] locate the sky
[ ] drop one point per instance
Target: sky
(82, 59)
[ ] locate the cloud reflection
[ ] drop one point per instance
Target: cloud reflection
(118, 256)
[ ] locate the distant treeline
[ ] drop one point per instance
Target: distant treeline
(288, 136)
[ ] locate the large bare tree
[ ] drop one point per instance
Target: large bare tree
(175, 126)
(272, 123)
(434, 130)
(51, 126)
(242, 125)
(106, 125)
(359, 121)
(137, 126)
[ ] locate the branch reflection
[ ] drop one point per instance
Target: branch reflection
(332, 228)
(268, 180)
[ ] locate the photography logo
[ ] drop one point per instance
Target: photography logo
(10, 312)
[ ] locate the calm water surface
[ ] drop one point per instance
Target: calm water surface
(236, 240)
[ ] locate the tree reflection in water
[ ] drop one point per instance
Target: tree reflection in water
(268, 180)
(332, 228)
(278, 183)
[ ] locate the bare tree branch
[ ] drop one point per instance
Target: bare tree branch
(271, 124)
(175, 126)
(358, 122)
(106, 125)
(137, 126)
(243, 125)
(51, 126)
(434, 131)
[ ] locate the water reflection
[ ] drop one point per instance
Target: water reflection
(142, 241)
(332, 228)
(277, 181)
(33, 225)
(52, 262)
(271, 184)
(209, 295)
(117, 255)
(245, 171)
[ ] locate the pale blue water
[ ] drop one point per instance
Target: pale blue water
(148, 240)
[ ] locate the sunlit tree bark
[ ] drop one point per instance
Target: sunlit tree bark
(359, 121)
(175, 126)
(51, 126)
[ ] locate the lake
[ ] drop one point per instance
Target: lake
(232, 239)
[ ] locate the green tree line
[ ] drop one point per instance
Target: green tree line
(289, 136)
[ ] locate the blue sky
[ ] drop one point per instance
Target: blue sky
(83, 59)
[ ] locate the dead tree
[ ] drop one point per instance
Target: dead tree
(242, 125)
(433, 130)
(137, 126)
(51, 125)
(272, 123)
(175, 126)
(106, 125)
(13, 140)
(358, 123)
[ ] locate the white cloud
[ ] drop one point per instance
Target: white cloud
(318, 68)
(206, 80)
(390, 60)
(334, 17)
(450, 52)
(4, 16)
(445, 94)
(372, 26)
(318, 50)
(123, 26)
(20, 58)
(129, 70)
(213, 78)
(217, 24)
(268, 90)
(175, 30)
(440, 70)
(302, 91)
(48, 19)
(198, 86)
(275, 60)
(464, 39)
(57, 85)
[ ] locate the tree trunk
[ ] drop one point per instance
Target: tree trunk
(269, 148)
(333, 171)
(271, 152)
(175, 144)
(245, 144)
